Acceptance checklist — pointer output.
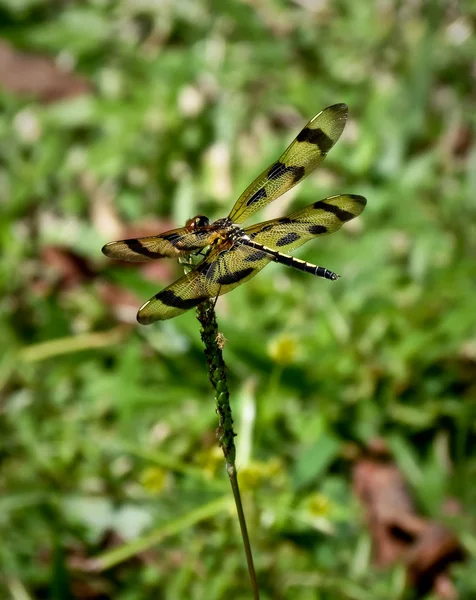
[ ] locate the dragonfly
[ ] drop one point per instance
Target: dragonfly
(233, 254)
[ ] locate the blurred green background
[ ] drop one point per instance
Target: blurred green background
(149, 113)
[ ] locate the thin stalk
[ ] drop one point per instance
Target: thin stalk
(213, 342)
(75, 343)
(111, 558)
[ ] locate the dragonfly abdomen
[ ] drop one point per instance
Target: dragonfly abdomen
(293, 262)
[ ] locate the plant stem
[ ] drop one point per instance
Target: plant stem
(111, 558)
(75, 343)
(213, 342)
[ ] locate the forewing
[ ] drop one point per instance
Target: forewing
(224, 268)
(171, 244)
(304, 154)
(321, 218)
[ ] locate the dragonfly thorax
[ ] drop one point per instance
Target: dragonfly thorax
(228, 230)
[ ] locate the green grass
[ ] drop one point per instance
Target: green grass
(107, 433)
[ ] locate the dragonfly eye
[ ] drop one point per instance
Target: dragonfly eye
(199, 221)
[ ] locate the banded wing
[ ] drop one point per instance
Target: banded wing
(304, 154)
(223, 269)
(320, 218)
(171, 244)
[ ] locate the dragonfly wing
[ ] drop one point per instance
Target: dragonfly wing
(320, 218)
(223, 269)
(171, 244)
(304, 154)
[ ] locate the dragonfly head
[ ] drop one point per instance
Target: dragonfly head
(198, 221)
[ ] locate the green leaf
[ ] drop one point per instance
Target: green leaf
(313, 460)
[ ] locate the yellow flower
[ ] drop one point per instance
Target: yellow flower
(283, 349)
(154, 479)
(319, 505)
(253, 473)
(210, 460)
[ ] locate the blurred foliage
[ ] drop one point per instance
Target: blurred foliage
(107, 434)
